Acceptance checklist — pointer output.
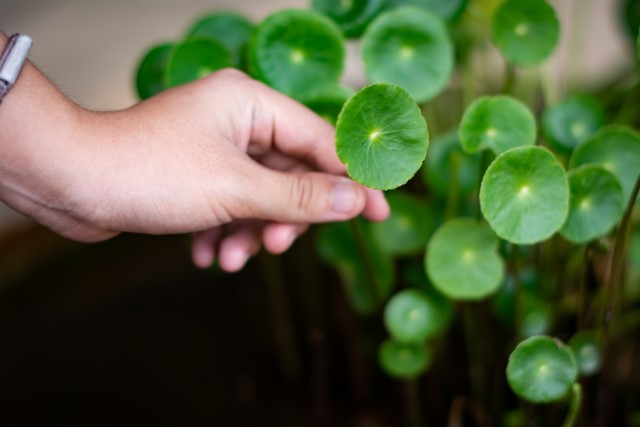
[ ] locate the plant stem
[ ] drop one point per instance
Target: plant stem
(582, 291)
(515, 271)
(509, 79)
(412, 402)
(369, 271)
(574, 408)
(452, 197)
(614, 282)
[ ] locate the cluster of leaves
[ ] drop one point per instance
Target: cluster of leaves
(505, 202)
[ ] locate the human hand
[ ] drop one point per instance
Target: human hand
(225, 156)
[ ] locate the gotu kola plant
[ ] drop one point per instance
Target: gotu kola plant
(520, 222)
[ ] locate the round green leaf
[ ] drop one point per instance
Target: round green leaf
(541, 369)
(410, 315)
(572, 121)
(445, 9)
(445, 156)
(298, 52)
(588, 351)
(617, 149)
(498, 123)
(404, 359)
(408, 227)
(535, 316)
(462, 260)
(336, 245)
(409, 47)
(229, 29)
(596, 204)
(196, 58)
(328, 105)
(381, 150)
(352, 16)
(524, 195)
(150, 77)
(525, 31)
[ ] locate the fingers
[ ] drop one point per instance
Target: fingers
(279, 237)
(293, 129)
(204, 246)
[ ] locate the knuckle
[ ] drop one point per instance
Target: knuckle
(302, 193)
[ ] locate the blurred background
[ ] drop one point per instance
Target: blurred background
(127, 331)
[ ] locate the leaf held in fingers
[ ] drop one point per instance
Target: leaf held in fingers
(524, 195)
(381, 150)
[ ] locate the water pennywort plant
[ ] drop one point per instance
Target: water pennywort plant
(516, 227)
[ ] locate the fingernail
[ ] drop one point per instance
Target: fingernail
(345, 197)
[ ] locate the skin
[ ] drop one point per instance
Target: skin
(225, 157)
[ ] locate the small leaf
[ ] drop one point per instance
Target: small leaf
(150, 77)
(404, 359)
(352, 16)
(445, 156)
(462, 260)
(498, 123)
(588, 351)
(411, 48)
(196, 58)
(572, 121)
(617, 149)
(410, 315)
(595, 206)
(524, 195)
(298, 52)
(536, 316)
(231, 30)
(525, 31)
(541, 369)
(381, 150)
(408, 227)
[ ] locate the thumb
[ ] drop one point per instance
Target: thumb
(302, 198)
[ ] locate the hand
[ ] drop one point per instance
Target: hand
(222, 150)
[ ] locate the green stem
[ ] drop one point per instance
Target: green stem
(369, 271)
(574, 408)
(515, 271)
(618, 259)
(412, 402)
(453, 196)
(509, 79)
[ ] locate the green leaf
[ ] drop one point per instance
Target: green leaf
(196, 58)
(329, 104)
(445, 9)
(150, 77)
(411, 48)
(525, 31)
(588, 351)
(404, 359)
(498, 123)
(408, 227)
(231, 30)
(337, 246)
(572, 121)
(298, 52)
(542, 369)
(617, 149)
(352, 16)
(462, 260)
(410, 315)
(445, 156)
(414, 275)
(536, 316)
(381, 150)
(524, 195)
(595, 206)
